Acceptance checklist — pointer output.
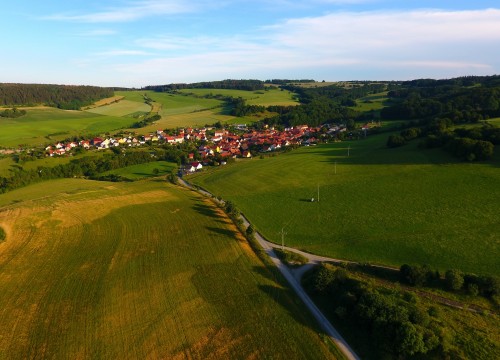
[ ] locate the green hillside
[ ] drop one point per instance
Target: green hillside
(381, 205)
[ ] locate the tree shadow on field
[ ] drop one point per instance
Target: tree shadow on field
(206, 210)
(225, 232)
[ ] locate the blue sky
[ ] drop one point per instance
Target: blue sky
(136, 43)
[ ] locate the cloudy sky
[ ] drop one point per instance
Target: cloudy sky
(136, 43)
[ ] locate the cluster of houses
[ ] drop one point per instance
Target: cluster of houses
(220, 143)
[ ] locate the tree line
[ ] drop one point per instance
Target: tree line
(453, 280)
(249, 85)
(59, 96)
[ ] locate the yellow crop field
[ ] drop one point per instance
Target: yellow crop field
(96, 270)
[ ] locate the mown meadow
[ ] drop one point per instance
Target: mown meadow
(42, 125)
(138, 270)
(380, 205)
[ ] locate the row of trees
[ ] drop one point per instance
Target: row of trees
(454, 280)
(60, 96)
(240, 108)
(250, 85)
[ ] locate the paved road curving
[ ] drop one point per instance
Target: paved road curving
(293, 277)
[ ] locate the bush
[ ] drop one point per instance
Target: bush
(417, 275)
(395, 141)
(291, 258)
(454, 279)
(473, 289)
(2, 234)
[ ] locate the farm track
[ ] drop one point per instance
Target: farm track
(296, 286)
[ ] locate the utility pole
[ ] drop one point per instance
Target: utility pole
(348, 150)
(335, 168)
(283, 233)
(318, 192)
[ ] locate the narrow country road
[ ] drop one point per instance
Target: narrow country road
(293, 278)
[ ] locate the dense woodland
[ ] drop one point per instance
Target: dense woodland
(60, 96)
(434, 108)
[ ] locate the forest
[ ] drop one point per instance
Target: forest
(66, 97)
(436, 107)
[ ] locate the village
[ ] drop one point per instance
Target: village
(237, 142)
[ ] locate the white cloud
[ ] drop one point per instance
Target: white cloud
(99, 32)
(112, 53)
(337, 46)
(134, 11)
(417, 43)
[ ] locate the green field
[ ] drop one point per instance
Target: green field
(45, 125)
(141, 171)
(184, 110)
(273, 96)
(373, 102)
(122, 108)
(380, 205)
(97, 270)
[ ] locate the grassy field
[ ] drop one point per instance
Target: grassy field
(94, 270)
(374, 102)
(273, 96)
(142, 171)
(122, 108)
(380, 205)
(45, 125)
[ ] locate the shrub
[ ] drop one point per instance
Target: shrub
(2, 234)
(454, 279)
(291, 258)
(395, 141)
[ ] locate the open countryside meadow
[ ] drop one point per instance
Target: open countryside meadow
(42, 125)
(138, 270)
(379, 205)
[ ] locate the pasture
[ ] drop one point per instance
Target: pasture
(374, 102)
(121, 108)
(379, 205)
(272, 96)
(46, 125)
(102, 270)
(142, 171)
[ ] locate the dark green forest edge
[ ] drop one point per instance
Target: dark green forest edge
(60, 96)
(434, 108)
